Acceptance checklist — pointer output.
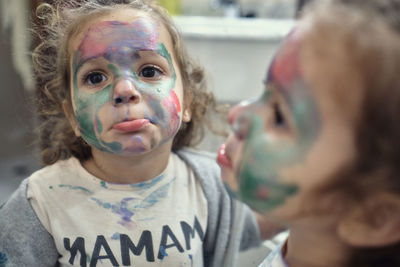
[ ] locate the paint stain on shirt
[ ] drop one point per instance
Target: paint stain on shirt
(3, 259)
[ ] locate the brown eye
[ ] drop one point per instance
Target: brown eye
(279, 118)
(150, 72)
(95, 78)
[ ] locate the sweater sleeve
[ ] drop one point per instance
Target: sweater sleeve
(23, 240)
(232, 226)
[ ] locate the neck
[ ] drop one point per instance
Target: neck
(315, 246)
(128, 169)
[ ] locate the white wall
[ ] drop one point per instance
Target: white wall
(235, 53)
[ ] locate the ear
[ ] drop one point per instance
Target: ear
(376, 222)
(187, 115)
(71, 118)
(187, 112)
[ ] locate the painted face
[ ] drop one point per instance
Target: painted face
(125, 91)
(277, 130)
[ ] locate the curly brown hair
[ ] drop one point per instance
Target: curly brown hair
(56, 23)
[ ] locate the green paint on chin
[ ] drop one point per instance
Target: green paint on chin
(260, 185)
(263, 194)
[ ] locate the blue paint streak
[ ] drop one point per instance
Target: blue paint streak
(118, 208)
(103, 184)
(3, 259)
(163, 252)
(116, 236)
(154, 197)
(147, 219)
(191, 260)
(127, 207)
(72, 187)
(149, 184)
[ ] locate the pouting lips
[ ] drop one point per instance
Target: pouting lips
(222, 158)
(131, 125)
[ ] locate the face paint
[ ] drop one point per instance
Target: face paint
(3, 259)
(261, 185)
(122, 45)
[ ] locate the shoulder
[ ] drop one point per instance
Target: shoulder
(194, 155)
(57, 173)
(57, 169)
(23, 239)
(203, 163)
(206, 170)
(17, 211)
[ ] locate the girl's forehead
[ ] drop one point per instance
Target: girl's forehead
(138, 29)
(118, 36)
(286, 67)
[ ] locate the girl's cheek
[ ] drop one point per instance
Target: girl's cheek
(175, 100)
(260, 183)
(172, 109)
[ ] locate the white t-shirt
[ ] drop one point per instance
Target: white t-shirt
(275, 257)
(161, 222)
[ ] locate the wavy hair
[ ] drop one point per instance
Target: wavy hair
(55, 24)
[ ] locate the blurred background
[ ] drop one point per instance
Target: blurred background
(233, 39)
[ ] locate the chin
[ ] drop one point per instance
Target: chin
(135, 150)
(228, 176)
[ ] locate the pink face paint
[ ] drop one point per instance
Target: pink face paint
(285, 68)
(120, 51)
(175, 100)
(172, 104)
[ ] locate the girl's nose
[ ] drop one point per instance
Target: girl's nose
(125, 92)
(234, 112)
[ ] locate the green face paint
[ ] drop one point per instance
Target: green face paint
(264, 157)
(122, 45)
(87, 109)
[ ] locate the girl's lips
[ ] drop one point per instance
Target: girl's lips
(131, 126)
(222, 158)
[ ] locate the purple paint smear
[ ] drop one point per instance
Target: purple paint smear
(120, 40)
(127, 207)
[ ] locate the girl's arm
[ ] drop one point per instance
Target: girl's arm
(23, 239)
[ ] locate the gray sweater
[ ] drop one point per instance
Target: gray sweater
(231, 225)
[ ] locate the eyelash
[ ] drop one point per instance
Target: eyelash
(153, 67)
(86, 78)
(157, 75)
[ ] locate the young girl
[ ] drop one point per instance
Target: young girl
(319, 150)
(119, 92)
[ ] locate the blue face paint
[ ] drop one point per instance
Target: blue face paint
(120, 46)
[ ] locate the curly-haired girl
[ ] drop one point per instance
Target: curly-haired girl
(118, 94)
